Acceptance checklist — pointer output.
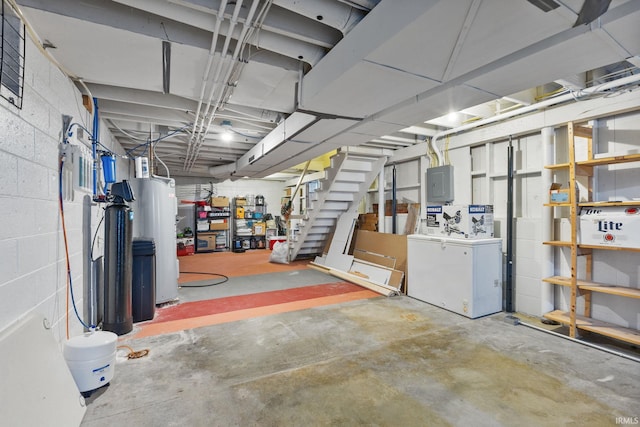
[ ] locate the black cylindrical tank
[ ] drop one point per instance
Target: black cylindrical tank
(118, 261)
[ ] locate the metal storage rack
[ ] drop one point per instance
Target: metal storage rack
(251, 213)
(582, 172)
(216, 233)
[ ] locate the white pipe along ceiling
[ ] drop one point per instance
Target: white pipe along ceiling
(295, 79)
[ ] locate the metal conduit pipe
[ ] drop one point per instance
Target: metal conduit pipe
(94, 144)
(394, 201)
(215, 84)
(635, 78)
(234, 57)
(588, 344)
(205, 77)
(227, 74)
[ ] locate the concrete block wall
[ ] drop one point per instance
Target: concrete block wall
(480, 169)
(32, 253)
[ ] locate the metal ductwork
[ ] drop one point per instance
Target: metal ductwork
(337, 15)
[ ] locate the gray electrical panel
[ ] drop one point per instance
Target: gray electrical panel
(440, 184)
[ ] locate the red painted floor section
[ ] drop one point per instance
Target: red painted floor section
(232, 316)
(229, 309)
(242, 302)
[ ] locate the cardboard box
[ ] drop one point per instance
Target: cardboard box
(220, 202)
(259, 228)
(557, 194)
(206, 241)
(218, 224)
(617, 226)
(368, 221)
(460, 221)
(241, 201)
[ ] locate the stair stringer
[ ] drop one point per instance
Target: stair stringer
(337, 256)
(316, 213)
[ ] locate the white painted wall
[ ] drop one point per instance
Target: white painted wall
(479, 158)
(190, 189)
(32, 255)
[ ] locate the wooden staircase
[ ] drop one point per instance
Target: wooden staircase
(333, 207)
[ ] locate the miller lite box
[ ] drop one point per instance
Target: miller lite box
(460, 221)
(610, 226)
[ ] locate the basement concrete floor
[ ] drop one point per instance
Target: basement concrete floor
(374, 362)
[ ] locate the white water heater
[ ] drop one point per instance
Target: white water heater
(156, 209)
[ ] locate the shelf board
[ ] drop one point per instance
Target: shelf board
(609, 289)
(621, 203)
(558, 280)
(609, 248)
(626, 158)
(597, 326)
(557, 166)
(557, 243)
(595, 287)
(558, 205)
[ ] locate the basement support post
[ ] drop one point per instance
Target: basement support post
(509, 279)
(381, 185)
(393, 201)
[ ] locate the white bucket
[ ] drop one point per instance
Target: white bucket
(91, 358)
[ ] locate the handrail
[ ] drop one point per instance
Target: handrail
(286, 209)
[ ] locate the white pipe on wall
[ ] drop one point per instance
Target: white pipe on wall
(633, 79)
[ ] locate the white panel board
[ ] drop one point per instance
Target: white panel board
(37, 386)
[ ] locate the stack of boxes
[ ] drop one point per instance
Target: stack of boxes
(460, 221)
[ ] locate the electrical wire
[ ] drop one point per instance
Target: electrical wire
(246, 136)
(68, 261)
(70, 133)
(225, 279)
(93, 241)
(150, 141)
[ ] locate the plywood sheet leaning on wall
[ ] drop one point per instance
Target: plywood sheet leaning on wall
(390, 245)
(379, 262)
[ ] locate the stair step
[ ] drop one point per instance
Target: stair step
(324, 222)
(316, 229)
(334, 206)
(357, 164)
(340, 196)
(332, 215)
(346, 176)
(346, 187)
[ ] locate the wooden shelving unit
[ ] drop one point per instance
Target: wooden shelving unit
(583, 171)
